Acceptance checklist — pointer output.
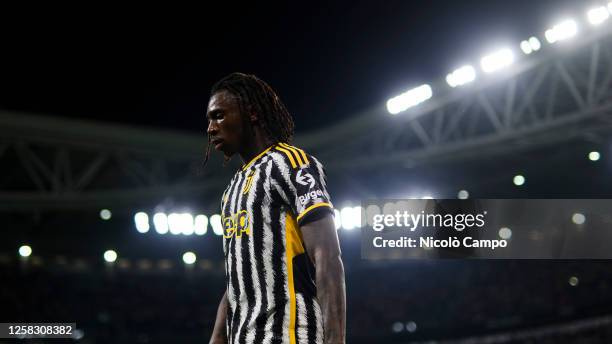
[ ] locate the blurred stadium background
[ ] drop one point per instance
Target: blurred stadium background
(115, 227)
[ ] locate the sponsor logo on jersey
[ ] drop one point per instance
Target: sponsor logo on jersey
(305, 178)
(311, 195)
(236, 224)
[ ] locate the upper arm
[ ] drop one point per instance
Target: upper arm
(321, 238)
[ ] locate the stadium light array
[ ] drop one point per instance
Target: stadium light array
(461, 76)
(594, 156)
(141, 220)
(189, 258)
(409, 99)
(25, 251)
(110, 256)
(174, 223)
(530, 45)
(598, 15)
(497, 60)
(562, 31)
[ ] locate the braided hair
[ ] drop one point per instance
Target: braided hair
(254, 94)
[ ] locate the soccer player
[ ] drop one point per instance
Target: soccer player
(284, 273)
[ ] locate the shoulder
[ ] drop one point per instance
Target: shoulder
(292, 157)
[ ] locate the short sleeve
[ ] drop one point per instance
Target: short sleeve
(301, 182)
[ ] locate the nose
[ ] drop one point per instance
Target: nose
(212, 128)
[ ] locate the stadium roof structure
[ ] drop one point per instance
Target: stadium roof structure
(560, 94)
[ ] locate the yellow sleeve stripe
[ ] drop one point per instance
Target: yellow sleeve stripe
(313, 207)
(296, 155)
(289, 155)
(301, 156)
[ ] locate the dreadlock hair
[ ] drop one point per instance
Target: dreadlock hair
(254, 94)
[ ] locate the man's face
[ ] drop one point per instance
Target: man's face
(225, 123)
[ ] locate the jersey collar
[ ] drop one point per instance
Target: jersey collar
(257, 157)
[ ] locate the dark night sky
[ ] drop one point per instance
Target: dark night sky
(154, 67)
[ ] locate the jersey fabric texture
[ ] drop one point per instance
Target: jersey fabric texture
(270, 279)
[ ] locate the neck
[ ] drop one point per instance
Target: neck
(257, 144)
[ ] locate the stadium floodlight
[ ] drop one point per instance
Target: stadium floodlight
(461, 76)
(463, 194)
(215, 223)
(25, 251)
(610, 7)
(530, 45)
(110, 256)
(409, 99)
(105, 214)
(497, 60)
(598, 15)
(141, 220)
(189, 258)
(594, 156)
(564, 30)
(160, 221)
(518, 180)
(337, 219)
(200, 225)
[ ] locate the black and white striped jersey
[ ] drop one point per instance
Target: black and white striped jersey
(270, 279)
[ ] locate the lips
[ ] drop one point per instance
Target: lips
(217, 142)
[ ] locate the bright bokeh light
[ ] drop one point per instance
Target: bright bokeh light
(463, 194)
(594, 156)
(397, 327)
(562, 31)
(409, 99)
(598, 15)
(461, 76)
(215, 223)
(348, 218)
(187, 224)
(497, 60)
(200, 225)
(105, 214)
(189, 258)
(411, 326)
(160, 221)
(505, 233)
(578, 218)
(518, 180)
(180, 223)
(25, 251)
(530, 45)
(110, 256)
(141, 220)
(573, 281)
